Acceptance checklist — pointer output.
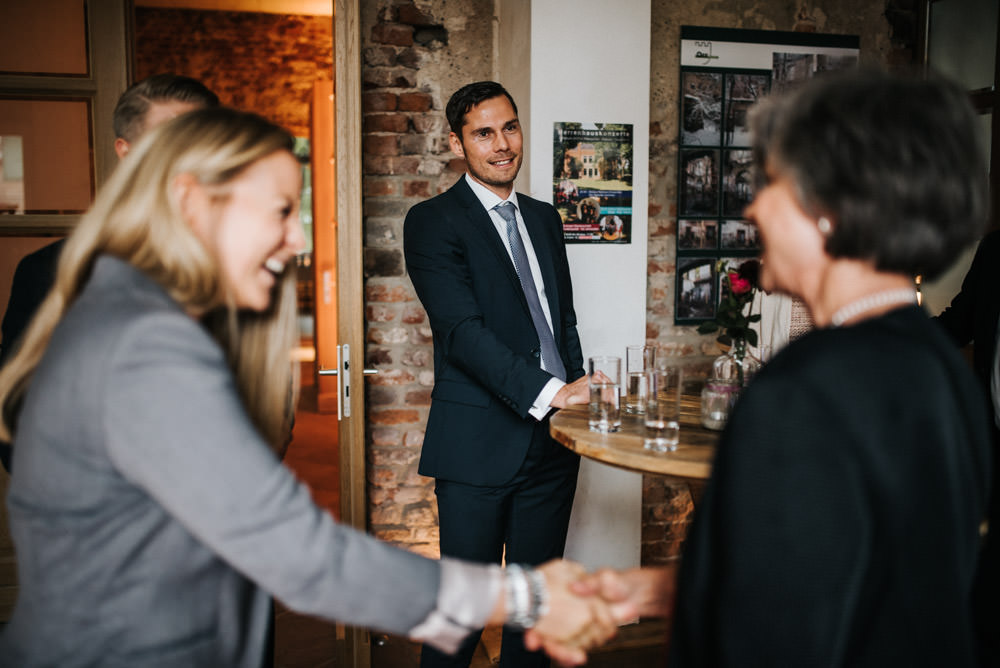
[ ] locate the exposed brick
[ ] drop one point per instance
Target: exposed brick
(380, 395)
(398, 416)
(378, 356)
(411, 58)
(381, 144)
(417, 357)
(387, 293)
(376, 187)
(380, 313)
(414, 144)
(392, 377)
(388, 77)
(457, 165)
(383, 231)
(410, 15)
(415, 102)
(413, 438)
(418, 398)
(420, 189)
(387, 515)
(413, 315)
(392, 33)
(389, 165)
(386, 123)
(428, 123)
(379, 101)
(388, 336)
(379, 56)
(385, 436)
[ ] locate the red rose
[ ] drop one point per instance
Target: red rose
(738, 285)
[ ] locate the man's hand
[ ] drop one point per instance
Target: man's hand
(577, 392)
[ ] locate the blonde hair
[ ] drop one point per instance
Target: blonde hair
(137, 218)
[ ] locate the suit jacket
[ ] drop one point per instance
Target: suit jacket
(149, 516)
(487, 357)
(33, 278)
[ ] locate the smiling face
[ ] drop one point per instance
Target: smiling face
(793, 248)
(491, 144)
(253, 230)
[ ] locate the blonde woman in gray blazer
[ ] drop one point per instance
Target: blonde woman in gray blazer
(150, 516)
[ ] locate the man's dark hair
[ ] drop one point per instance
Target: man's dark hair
(130, 112)
(468, 96)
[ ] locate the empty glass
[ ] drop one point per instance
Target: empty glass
(605, 380)
(663, 408)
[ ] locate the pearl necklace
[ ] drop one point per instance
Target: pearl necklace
(873, 301)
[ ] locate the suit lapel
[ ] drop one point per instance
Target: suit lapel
(480, 221)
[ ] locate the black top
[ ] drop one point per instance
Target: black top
(840, 526)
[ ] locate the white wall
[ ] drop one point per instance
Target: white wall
(590, 63)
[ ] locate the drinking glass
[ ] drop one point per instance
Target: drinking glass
(638, 360)
(605, 380)
(663, 408)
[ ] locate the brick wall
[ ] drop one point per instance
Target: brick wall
(414, 56)
(265, 63)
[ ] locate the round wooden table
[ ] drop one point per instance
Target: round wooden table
(692, 459)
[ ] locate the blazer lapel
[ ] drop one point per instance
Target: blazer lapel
(480, 221)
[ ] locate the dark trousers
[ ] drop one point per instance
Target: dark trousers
(528, 517)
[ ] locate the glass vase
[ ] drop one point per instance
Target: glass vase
(737, 365)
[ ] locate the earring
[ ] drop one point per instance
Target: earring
(824, 225)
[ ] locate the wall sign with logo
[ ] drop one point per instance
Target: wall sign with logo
(723, 72)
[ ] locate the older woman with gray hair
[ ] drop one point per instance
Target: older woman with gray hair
(841, 523)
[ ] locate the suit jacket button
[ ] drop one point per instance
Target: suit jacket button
(536, 354)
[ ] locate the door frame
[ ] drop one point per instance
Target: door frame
(350, 289)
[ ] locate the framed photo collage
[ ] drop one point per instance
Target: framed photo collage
(723, 73)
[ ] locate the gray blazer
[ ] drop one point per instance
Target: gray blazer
(148, 515)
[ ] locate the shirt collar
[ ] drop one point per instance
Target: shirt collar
(487, 197)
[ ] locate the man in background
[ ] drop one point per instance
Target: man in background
(142, 106)
(490, 268)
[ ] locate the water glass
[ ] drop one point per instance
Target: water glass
(605, 381)
(638, 360)
(717, 400)
(663, 408)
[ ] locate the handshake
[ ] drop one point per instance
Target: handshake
(584, 610)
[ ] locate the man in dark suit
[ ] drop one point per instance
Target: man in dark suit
(143, 106)
(972, 317)
(490, 268)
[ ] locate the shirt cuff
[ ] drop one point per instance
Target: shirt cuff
(465, 600)
(543, 402)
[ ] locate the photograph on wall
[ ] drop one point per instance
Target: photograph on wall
(695, 288)
(739, 235)
(592, 181)
(697, 234)
(702, 108)
(737, 182)
(742, 90)
(723, 73)
(700, 182)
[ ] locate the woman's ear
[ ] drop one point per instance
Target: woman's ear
(192, 200)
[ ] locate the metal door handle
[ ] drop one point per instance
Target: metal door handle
(344, 381)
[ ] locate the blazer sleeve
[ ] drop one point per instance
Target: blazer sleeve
(175, 427)
(440, 265)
